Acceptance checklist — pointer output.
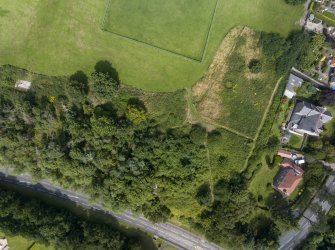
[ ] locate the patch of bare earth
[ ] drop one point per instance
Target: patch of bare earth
(207, 93)
(251, 51)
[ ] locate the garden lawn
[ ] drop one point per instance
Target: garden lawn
(259, 184)
(61, 37)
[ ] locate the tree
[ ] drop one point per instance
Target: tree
(255, 66)
(104, 86)
(203, 195)
(156, 211)
(327, 97)
(135, 114)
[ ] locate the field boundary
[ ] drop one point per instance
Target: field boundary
(158, 48)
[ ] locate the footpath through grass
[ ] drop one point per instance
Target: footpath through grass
(61, 37)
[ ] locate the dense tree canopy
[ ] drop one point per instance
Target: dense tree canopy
(49, 225)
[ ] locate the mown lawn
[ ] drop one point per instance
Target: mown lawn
(61, 37)
(17, 242)
(259, 185)
(20, 243)
(180, 27)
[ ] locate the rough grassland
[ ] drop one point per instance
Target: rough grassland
(229, 94)
(59, 37)
(228, 153)
(180, 27)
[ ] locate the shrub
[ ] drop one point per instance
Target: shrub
(198, 134)
(135, 114)
(255, 66)
(203, 195)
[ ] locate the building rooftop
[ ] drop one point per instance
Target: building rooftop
(23, 85)
(293, 82)
(307, 118)
(3, 244)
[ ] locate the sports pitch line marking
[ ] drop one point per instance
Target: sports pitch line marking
(189, 58)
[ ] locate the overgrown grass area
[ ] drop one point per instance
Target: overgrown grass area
(179, 27)
(236, 90)
(61, 37)
(228, 153)
(246, 93)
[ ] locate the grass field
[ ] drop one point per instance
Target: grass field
(180, 27)
(61, 37)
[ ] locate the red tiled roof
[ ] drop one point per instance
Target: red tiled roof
(288, 178)
(284, 153)
(289, 183)
(287, 163)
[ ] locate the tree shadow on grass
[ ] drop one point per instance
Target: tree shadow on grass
(79, 80)
(107, 68)
(3, 12)
(137, 103)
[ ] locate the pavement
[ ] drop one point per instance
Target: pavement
(175, 236)
(291, 239)
(305, 77)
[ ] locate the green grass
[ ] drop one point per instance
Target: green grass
(245, 102)
(258, 185)
(295, 142)
(179, 27)
(233, 148)
(61, 37)
(17, 242)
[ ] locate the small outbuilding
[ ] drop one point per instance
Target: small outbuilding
(293, 82)
(23, 85)
(3, 244)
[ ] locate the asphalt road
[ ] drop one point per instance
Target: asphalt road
(172, 234)
(293, 238)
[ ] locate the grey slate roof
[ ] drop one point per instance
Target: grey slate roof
(309, 118)
(293, 82)
(280, 176)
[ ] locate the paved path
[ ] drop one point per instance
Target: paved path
(302, 75)
(293, 238)
(304, 17)
(179, 238)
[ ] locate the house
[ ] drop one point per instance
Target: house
(313, 24)
(290, 174)
(23, 85)
(308, 119)
(293, 82)
(3, 244)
